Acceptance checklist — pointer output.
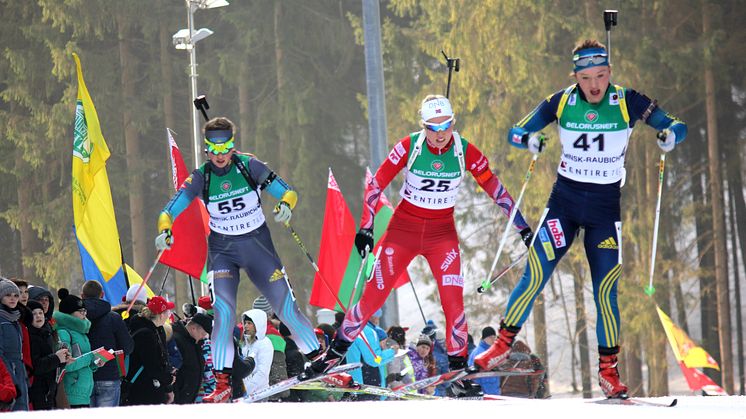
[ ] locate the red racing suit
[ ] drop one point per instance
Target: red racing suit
(416, 230)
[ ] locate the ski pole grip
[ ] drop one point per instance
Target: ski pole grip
(610, 19)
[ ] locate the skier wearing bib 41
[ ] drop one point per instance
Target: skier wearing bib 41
(595, 119)
(230, 185)
(434, 161)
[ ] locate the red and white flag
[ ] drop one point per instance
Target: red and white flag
(188, 253)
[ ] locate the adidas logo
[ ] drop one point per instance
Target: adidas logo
(609, 243)
(277, 274)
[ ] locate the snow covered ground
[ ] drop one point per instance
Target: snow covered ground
(689, 407)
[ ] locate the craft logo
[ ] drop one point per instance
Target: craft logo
(226, 185)
(437, 165)
(558, 235)
(591, 115)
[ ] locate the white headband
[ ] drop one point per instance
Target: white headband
(435, 108)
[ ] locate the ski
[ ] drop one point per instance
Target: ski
(635, 402)
(293, 382)
(366, 389)
(464, 374)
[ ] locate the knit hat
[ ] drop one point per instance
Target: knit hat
(158, 305)
(204, 302)
(487, 332)
(69, 303)
(429, 331)
(424, 340)
(8, 287)
(261, 303)
(141, 296)
(32, 305)
(203, 320)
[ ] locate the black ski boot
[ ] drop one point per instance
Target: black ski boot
(462, 388)
(327, 361)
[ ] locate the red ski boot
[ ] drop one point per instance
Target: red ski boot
(223, 390)
(499, 352)
(608, 376)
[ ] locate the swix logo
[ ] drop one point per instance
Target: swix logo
(591, 115)
(450, 257)
(558, 235)
(437, 165)
(225, 186)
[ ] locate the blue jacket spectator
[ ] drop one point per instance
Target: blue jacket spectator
(490, 385)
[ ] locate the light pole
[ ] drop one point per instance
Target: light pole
(187, 39)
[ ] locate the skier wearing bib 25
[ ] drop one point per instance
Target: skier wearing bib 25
(434, 161)
(595, 119)
(230, 185)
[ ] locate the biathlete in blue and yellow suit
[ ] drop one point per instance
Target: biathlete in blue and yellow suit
(595, 119)
(230, 185)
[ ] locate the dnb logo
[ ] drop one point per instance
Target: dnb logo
(226, 185)
(453, 280)
(591, 115)
(437, 165)
(558, 235)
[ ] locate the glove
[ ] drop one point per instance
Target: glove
(527, 235)
(396, 376)
(283, 213)
(364, 241)
(536, 143)
(164, 240)
(666, 140)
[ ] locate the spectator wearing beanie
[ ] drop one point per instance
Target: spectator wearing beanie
(11, 341)
(109, 331)
(200, 327)
(490, 385)
(423, 362)
(72, 328)
(149, 378)
(189, 376)
(46, 358)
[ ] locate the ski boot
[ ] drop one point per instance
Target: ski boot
(608, 374)
(499, 352)
(223, 390)
(327, 361)
(462, 388)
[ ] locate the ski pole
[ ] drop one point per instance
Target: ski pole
(650, 289)
(126, 313)
(453, 64)
(424, 319)
(609, 21)
(200, 102)
(486, 282)
(163, 284)
(359, 273)
(326, 284)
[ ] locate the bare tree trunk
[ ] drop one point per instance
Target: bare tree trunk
(581, 331)
(132, 143)
(633, 365)
(27, 235)
(721, 274)
(737, 285)
(244, 109)
(282, 130)
(540, 333)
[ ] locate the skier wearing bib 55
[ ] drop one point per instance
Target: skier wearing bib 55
(230, 185)
(595, 119)
(435, 161)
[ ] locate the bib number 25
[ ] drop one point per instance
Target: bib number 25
(429, 185)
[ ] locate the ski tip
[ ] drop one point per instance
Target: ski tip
(674, 402)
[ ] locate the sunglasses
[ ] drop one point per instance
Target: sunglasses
(219, 148)
(592, 60)
(439, 127)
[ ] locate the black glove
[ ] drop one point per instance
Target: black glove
(364, 241)
(527, 235)
(395, 376)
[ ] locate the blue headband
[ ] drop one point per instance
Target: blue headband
(219, 136)
(590, 57)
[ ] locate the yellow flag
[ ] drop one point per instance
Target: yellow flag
(684, 349)
(136, 279)
(95, 223)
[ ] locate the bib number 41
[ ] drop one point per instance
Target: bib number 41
(582, 142)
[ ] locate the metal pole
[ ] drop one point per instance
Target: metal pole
(377, 114)
(193, 78)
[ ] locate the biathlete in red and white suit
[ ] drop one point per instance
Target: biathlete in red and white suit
(434, 161)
